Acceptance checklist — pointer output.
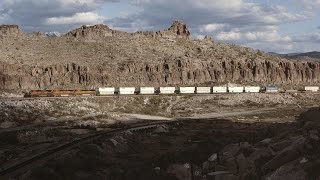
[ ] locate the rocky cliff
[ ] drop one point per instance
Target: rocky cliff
(178, 72)
(141, 60)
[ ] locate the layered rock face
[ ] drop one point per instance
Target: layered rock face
(178, 72)
(10, 30)
(162, 58)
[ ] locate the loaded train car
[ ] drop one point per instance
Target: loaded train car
(110, 91)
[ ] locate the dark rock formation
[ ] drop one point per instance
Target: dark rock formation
(294, 156)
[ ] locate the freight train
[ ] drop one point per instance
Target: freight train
(108, 91)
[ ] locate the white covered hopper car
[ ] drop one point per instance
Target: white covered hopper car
(106, 91)
(252, 89)
(203, 90)
(311, 88)
(187, 90)
(147, 90)
(235, 89)
(219, 89)
(167, 90)
(127, 90)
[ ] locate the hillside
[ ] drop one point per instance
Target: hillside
(312, 56)
(93, 56)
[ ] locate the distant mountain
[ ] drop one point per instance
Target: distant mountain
(314, 55)
(53, 34)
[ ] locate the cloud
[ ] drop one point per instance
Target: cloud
(234, 21)
(310, 4)
(229, 36)
(211, 28)
(204, 12)
(40, 14)
(87, 18)
(308, 38)
(269, 39)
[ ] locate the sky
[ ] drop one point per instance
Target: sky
(285, 26)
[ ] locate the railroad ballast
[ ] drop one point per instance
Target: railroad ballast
(107, 91)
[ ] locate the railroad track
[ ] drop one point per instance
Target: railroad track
(94, 96)
(10, 169)
(139, 95)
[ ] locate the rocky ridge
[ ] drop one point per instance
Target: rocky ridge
(94, 56)
(92, 32)
(96, 32)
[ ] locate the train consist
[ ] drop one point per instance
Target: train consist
(109, 91)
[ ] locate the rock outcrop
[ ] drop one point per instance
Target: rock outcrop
(177, 72)
(91, 32)
(180, 29)
(177, 30)
(10, 30)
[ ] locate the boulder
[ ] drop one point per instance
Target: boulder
(162, 129)
(221, 175)
(310, 119)
(181, 172)
(291, 153)
(293, 170)
(213, 157)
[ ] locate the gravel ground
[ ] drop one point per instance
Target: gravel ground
(113, 109)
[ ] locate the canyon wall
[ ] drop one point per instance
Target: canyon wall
(176, 72)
